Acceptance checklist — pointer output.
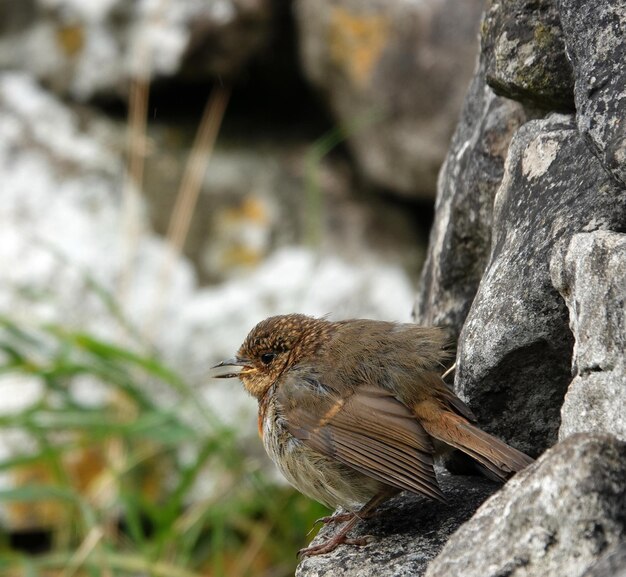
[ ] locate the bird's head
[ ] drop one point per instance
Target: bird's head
(272, 347)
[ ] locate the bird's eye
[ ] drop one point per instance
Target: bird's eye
(267, 358)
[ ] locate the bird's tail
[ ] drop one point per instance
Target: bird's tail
(498, 459)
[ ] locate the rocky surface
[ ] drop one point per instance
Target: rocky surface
(515, 350)
(594, 35)
(60, 167)
(523, 47)
(590, 275)
(553, 519)
(252, 202)
(394, 74)
(62, 219)
(611, 564)
(407, 533)
(461, 234)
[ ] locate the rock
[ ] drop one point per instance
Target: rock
(594, 36)
(522, 43)
(88, 49)
(590, 274)
(406, 535)
(394, 74)
(514, 355)
(611, 564)
(461, 234)
(555, 518)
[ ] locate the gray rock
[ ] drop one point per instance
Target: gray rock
(522, 43)
(611, 564)
(461, 234)
(394, 73)
(406, 535)
(590, 274)
(555, 518)
(594, 35)
(514, 356)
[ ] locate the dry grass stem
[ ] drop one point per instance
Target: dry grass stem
(187, 197)
(133, 184)
(89, 543)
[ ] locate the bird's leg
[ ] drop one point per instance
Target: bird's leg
(341, 517)
(338, 518)
(351, 520)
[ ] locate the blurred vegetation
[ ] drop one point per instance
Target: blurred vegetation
(148, 482)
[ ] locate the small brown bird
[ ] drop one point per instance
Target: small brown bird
(353, 412)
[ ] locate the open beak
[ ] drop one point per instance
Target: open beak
(227, 364)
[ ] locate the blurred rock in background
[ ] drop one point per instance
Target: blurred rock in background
(396, 73)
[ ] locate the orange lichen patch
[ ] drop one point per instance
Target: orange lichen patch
(71, 39)
(240, 255)
(357, 42)
(254, 209)
(251, 209)
(242, 234)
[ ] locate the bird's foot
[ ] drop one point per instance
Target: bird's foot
(341, 538)
(334, 542)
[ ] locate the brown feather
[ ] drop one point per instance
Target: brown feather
(370, 431)
(496, 456)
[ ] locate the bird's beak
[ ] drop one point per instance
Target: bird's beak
(232, 362)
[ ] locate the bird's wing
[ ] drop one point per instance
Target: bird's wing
(368, 430)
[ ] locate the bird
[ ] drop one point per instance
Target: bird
(353, 412)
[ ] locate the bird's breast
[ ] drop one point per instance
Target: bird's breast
(318, 476)
(263, 404)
